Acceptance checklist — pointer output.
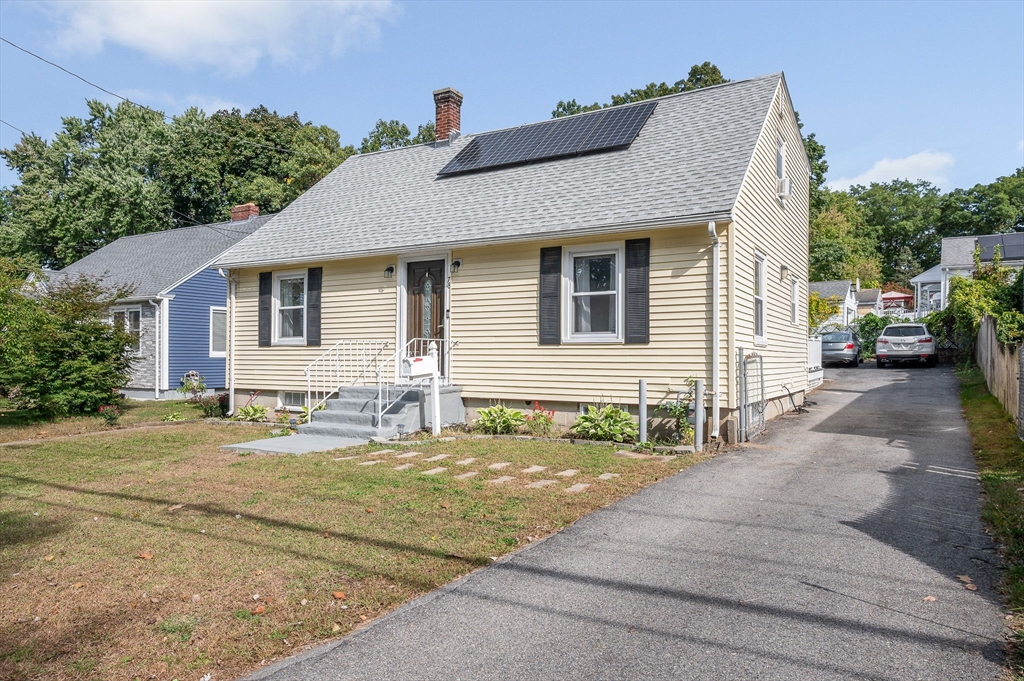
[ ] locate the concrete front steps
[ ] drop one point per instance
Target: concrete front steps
(353, 414)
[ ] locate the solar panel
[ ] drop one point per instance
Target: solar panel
(518, 146)
(566, 136)
(476, 151)
(607, 129)
(618, 128)
(1013, 246)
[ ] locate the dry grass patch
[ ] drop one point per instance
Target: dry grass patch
(156, 555)
(18, 425)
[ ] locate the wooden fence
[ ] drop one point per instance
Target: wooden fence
(1001, 366)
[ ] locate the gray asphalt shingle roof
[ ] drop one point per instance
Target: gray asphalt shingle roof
(958, 250)
(830, 289)
(687, 163)
(154, 262)
(868, 296)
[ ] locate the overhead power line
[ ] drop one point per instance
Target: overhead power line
(11, 126)
(143, 106)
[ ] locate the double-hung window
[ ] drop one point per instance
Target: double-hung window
(218, 331)
(290, 308)
(129, 319)
(760, 300)
(593, 279)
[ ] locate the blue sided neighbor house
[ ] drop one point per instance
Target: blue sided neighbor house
(179, 307)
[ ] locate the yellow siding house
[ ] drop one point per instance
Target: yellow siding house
(558, 262)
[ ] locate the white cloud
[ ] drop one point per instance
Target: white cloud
(230, 37)
(926, 165)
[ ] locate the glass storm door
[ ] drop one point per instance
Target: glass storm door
(425, 308)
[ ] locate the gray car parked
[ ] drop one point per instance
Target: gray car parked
(840, 346)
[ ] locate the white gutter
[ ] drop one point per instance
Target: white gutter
(230, 340)
(156, 347)
(716, 341)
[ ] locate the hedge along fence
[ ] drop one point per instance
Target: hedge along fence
(1001, 365)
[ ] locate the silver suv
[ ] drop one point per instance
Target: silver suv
(905, 343)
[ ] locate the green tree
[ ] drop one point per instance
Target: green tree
(985, 208)
(820, 310)
(700, 76)
(394, 135)
(837, 249)
(58, 353)
(900, 219)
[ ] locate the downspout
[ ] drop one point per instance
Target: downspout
(156, 348)
(230, 340)
(716, 341)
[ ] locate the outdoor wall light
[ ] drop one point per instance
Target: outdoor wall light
(784, 271)
(456, 266)
(389, 271)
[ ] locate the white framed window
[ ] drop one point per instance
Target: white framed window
(218, 331)
(794, 300)
(129, 319)
(760, 299)
(593, 282)
(291, 401)
(783, 188)
(290, 308)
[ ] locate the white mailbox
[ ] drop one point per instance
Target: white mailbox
(419, 367)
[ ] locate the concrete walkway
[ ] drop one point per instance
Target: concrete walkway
(830, 549)
(295, 444)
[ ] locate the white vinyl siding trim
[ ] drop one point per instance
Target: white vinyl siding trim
(574, 299)
(289, 323)
(794, 300)
(218, 331)
(760, 299)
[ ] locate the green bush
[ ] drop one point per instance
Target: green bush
(499, 420)
(254, 413)
(607, 424)
(1010, 328)
(59, 353)
(212, 405)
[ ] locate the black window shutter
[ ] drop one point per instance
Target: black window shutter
(638, 291)
(266, 294)
(314, 281)
(550, 320)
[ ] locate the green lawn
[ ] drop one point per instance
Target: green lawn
(154, 554)
(20, 425)
(1000, 457)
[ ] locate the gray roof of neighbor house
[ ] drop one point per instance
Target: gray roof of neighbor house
(686, 165)
(929, 276)
(869, 296)
(831, 289)
(155, 262)
(958, 251)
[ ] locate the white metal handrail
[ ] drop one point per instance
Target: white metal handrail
(346, 363)
(389, 372)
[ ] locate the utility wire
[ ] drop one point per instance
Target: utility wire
(11, 126)
(143, 106)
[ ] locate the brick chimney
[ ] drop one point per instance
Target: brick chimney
(244, 212)
(448, 112)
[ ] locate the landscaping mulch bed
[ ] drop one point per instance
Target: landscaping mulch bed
(154, 555)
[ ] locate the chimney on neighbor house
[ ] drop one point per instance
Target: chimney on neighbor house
(448, 112)
(244, 212)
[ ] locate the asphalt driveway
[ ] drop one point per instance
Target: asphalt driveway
(828, 549)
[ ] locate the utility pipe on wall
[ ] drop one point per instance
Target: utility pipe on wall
(156, 346)
(716, 341)
(230, 340)
(642, 410)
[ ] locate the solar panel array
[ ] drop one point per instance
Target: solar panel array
(600, 131)
(1011, 246)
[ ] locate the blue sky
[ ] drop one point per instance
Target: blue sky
(912, 89)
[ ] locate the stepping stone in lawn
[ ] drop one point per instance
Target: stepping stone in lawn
(404, 466)
(577, 488)
(608, 476)
(465, 462)
(541, 483)
(502, 480)
(368, 463)
(437, 458)
(470, 474)
(567, 473)
(535, 469)
(346, 458)
(435, 471)
(382, 451)
(407, 455)
(499, 466)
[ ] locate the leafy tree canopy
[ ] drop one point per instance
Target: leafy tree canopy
(395, 134)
